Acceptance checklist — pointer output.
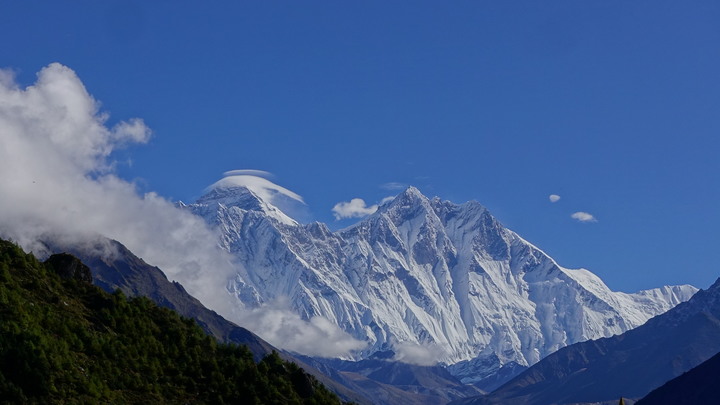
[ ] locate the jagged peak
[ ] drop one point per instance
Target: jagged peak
(251, 191)
(413, 191)
(255, 181)
(239, 196)
(410, 196)
(244, 198)
(318, 229)
(447, 208)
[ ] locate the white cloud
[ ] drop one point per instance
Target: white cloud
(421, 355)
(57, 185)
(355, 208)
(583, 217)
(255, 181)
(7, 79)
(554, 198)
(277, 324)
(249, 172)
(394, 186)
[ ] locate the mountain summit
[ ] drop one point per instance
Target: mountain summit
(242, 198)
(426, 279)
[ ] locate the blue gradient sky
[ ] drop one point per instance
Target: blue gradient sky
(613, 105)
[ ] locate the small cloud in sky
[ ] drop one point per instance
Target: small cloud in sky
(583, 217)
(554, 198)
(355, 208)
(393, 186)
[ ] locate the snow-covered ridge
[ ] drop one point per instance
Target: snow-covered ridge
(425, 278)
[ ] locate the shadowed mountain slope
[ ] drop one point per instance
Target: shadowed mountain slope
(64, 340)
(628, 365)
(701, 385)
(113, 267)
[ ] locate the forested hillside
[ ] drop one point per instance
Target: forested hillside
(61, 338)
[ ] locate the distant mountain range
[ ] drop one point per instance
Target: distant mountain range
(475, 300)
(629, 365)
(446, 280)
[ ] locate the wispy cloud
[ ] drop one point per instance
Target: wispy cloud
(583, 217)
(277, 324)
(393, 186)
(554, 198)
(421, 355)
(355, 208)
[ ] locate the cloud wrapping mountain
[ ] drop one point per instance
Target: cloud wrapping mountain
(58, 184)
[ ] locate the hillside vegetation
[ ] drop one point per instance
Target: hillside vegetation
(63, 340)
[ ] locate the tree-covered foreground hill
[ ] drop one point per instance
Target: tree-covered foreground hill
(63, 340)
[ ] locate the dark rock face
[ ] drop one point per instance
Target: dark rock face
(701, 385)
(69, 267)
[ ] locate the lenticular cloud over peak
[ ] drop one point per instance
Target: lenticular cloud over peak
(257, 182)
(249, 172)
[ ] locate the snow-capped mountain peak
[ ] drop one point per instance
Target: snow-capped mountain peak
(411, 198)
(243, 198)
(424, 276)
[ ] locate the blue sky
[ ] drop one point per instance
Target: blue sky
(611, 105)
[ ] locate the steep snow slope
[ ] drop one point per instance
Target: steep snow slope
(427, 279)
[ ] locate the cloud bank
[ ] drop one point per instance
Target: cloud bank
(554, 198)
(583, 217)
(58, 185)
